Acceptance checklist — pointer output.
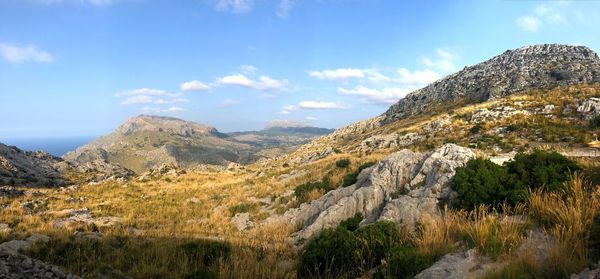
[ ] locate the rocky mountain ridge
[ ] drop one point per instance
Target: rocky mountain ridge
(530, 67)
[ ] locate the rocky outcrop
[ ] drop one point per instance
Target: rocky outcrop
(531, 67)
(497, 113)
(27, 168)
(13, 265)
(407, 187)
(590, 107)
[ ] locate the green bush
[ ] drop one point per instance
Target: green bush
(406, 261)
(352, 223)
(540, 169)
(376, 241)
(334, 253)
(301, 192)
(476, 128)
(595, 122)
(483, 182)
(240, 208)
(342, 163)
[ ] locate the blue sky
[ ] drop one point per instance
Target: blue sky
(81, 67)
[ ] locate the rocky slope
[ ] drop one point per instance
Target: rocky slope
(18, 167)
(538, 66)
(407, 187)
(145, 142)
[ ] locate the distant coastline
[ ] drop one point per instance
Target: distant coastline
(55, 146)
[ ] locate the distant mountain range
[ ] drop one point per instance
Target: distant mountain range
(146, 141)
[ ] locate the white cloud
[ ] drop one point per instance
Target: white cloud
(19, 54)
(320, 105)
(150, 96)
(529, 23)
(285, 112)
(311, 118)
(338, 74)
(159, 110)
(142, 91)
(385, 96)
(443, 62)
(248, 69)
(194, 85)
(284, 7)
(264, 83)
(542, 14)
(229, 102)
(235, 6)
(417, 78)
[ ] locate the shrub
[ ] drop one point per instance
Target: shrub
(334, 253)
(540, 169)
(376, 241)
(406, 261)
(342, 163)
(483, 182)
(476, 128)
(595, 122)
(352, 223)
(301, 192)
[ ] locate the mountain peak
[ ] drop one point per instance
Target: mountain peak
(278, 123)
(153, 123)
(529, 67)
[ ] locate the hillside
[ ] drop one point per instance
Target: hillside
(377, 198)
(145, 142)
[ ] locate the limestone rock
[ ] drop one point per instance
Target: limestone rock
(459, 265)
(242, 221)
(405, 177)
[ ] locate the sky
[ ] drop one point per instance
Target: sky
(71, 68)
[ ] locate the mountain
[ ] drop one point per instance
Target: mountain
(281, 134)
(145, 142)
(555, 86)
(28, 168)
(538, 66)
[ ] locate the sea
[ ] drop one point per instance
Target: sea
(55, 146)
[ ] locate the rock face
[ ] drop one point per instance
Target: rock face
(538, 66)
(407, 187)
(28, 168)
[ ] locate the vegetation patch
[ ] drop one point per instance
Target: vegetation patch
(483, 182)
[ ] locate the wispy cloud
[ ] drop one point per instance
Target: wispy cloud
(230, 102)
(235, 6)
(529, 23)
(338, 74)
(264, 83)
(149, 96)
(194, 85)
(284, 7)
(160, 110)
(387, 86)
(320, 105)
(20, 54)
(541, 15)
(384, 96)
